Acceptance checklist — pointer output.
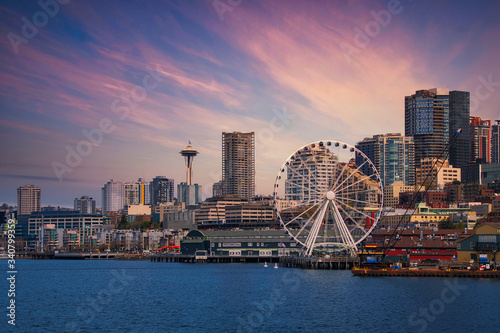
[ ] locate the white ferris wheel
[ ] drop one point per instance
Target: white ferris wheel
(328, 197)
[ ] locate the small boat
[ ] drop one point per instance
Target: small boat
(265, 264)
(275, 265)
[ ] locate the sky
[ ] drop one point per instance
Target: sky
(99, 90)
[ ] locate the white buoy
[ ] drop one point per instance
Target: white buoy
(265, 264)
(275, 265)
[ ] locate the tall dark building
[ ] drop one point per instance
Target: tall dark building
(393, 156)
(460, 153)
(427, 120)
(480, 138)
(162, 190)
(238, 164)
(495, 142)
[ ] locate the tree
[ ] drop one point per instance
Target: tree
(446, 224)
(145, 224)
(5, 206)
(123, 222)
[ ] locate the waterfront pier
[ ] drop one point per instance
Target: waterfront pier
(333, 263)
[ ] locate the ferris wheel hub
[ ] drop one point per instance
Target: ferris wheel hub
(330, 195)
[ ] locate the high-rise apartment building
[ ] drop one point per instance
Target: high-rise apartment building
(113, 197)
(162, 190)
(85, 205)
(427, 120)
(28, 199)
(480, 135)
(459, 119)
(132, 193)
(238, 164)
(145, 192)
(495, 142)
(392, 154)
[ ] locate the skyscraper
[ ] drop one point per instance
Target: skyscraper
(392, 154)
(495, 142)
(28, 199)
(113, 198)
(480, 135)
(427, 120)
(85, 205)
(162, 190)
(459, 119)
(238, 164)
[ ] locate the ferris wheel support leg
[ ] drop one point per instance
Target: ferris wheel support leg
(344, 231)
(313, 234)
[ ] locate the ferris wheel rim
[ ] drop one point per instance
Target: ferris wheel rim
(375, 176)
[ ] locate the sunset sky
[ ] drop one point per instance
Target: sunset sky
(279, 68)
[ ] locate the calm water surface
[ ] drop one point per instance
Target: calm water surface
(124, 296)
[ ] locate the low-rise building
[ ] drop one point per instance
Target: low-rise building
(167, 207)
(240, 243)
(435, 173)
(392, 191)
(481, 247)
(422, 217)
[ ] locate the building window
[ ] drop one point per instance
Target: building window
(472, 245)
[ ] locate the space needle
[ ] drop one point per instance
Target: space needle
(189, 153)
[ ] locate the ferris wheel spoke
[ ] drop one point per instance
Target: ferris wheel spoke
(360, 212)
(352, 174)
(307, 222)
(304, 180)
(357, 223)
(354, 191)
(341, 173)
(303, 188)
(313, 233)
(337, 224)
(344, 230)
(354, 200)
(290, 208)
(295, 218)
(351, 185)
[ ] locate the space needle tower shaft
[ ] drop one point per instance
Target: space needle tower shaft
(189, 154)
